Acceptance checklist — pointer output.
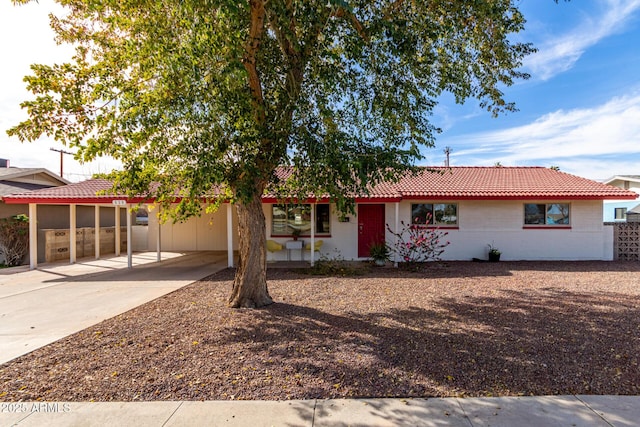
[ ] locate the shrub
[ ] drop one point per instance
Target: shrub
(335, 266)
(14, 239)
(418, 243)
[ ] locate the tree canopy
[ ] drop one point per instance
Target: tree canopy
(198, 94)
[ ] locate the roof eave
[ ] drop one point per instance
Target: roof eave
(72, 200)
(608, 181)
(28, 171)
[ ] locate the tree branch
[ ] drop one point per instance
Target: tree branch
(343, 13)
(256, 32)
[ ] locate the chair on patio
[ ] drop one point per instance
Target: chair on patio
(316, 246)
(273, 246)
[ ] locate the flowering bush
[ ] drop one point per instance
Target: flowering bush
(417, 243)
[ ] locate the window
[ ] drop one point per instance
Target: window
(546, 214)
(620, 213)
(287, 218)
(441, 214)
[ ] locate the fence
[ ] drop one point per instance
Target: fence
(626, 241)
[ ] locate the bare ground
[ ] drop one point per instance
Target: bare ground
(454, 329)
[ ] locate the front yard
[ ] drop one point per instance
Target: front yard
(455, 329)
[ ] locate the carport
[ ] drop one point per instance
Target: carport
(95, 193)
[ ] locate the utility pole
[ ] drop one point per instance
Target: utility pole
(62, 152)
(447, 152)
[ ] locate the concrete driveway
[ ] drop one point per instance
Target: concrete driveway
(41, 306)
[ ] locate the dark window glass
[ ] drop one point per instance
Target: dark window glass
(287, 218)
(546, 214)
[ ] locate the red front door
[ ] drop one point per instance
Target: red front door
(370, 227)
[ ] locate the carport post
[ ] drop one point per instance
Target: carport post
(117, 230)
(72, 234)
(33, 236)
(159, 237)
(229, 235)
(129, 233)
(395, 239)
(313, 234)
(97, 230)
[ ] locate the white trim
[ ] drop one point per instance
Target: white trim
(629, 178)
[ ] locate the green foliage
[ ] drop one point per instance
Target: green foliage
(204, 99)
(493, 249)
(335, 265)
(14, 239)
(417, 243)
(379, 252)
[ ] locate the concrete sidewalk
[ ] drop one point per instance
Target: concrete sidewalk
(567, 411)
(41, 306)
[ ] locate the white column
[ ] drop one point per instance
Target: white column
(229, 235)
(129, 233)
(72, 234)
(313, 233)
(97, 230)
(33, 236)
(117, 230)
(395, 239)
(159, 237)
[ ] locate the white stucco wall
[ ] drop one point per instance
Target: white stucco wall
(205, 233)
(501, 224)
(479, 223)
(140, 238)
(482, 222)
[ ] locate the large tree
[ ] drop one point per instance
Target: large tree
(205, 99)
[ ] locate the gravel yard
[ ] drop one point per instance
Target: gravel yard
(454, 329)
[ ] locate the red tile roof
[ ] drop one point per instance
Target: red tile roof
(90, 191)
(455, 183)
(500, 183)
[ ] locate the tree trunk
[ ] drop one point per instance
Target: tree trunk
(250, 284)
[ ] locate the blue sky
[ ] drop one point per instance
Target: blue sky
(579, 111)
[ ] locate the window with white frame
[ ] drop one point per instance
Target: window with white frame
(546, 214)
(620, 213)
(285, 218)
(441, 214)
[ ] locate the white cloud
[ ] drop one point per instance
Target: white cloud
(28, 39)
(588, 141)
(561, 52)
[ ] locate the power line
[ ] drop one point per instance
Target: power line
(62, 152)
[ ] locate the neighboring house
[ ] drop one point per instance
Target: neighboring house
(529, 213)
(616, 210)
(633, 215)
(20, 180)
